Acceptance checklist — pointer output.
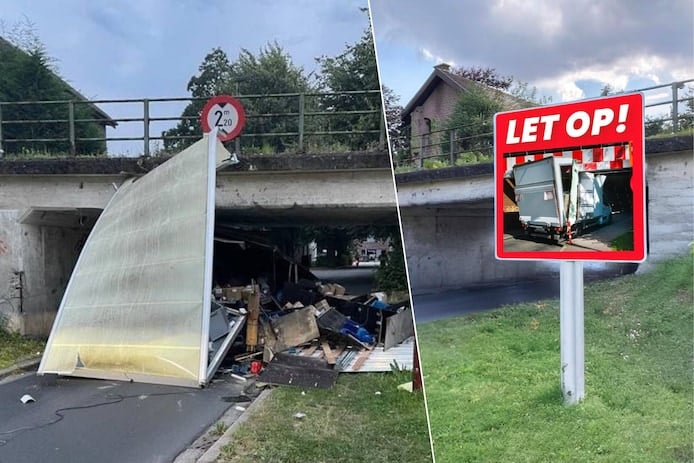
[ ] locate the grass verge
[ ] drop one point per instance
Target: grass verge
(14, 347)
(363, 418)
(624, 242)
(493, 379)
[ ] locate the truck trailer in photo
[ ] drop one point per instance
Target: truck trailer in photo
(556, 200)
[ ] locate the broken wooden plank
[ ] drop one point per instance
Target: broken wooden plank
(308, 352)
(252, 322)
(361, 358)
(300, 361)
(295, 328)
(398, 328)
(283, 374)
(328, 352)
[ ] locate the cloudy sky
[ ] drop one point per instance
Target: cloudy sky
(151, 48)
(568, 49)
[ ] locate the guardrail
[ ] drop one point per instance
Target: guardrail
(446, 147)
(295, 118)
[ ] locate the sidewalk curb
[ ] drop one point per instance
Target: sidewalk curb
(212, 454)
(21, 365)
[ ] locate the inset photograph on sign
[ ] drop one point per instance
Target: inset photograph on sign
(569, 181)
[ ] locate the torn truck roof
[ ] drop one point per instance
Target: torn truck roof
(138, 304)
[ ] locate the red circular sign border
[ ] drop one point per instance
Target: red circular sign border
(239, 110)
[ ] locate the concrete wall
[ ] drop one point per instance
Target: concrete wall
(35, 266)
(73, 191)
(448, 224)
(670, 182)
(447, 248)
(40, 249)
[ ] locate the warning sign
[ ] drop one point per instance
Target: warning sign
(570, 183)
(226, 113)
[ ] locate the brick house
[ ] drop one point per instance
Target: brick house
(434, 102)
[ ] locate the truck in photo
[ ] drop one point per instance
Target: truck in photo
(556, 200)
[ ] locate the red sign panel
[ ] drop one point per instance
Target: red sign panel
(226, 113)
(570, 181)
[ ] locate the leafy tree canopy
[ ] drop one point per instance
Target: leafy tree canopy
(485, 75)
(270, 71)
(354, 69)
(27, 73)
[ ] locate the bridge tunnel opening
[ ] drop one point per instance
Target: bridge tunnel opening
(161, 289)
(279, 246)
(254, 245)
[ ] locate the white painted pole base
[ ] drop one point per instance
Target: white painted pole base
(571, 331)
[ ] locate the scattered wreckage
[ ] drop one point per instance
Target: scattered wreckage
(150, 299)
(308, 334)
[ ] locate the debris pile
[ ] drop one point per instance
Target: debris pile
(309, 331)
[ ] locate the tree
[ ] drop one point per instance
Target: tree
(251, 78)
(654, 126)
(214, 73)
(516, 88)
(399, 141)
(487, 76)
(355, 69)
(27, 73)
(523, 92)
(392, 273)
(686, 118)
(606, 90)
(270, 72)
(471, 121)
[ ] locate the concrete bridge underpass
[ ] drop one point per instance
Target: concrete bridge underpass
(48, 207)
(448, 221)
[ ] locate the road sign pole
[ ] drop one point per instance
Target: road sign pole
(571, 331)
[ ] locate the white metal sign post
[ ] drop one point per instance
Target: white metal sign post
(571, 331)
(544, 157)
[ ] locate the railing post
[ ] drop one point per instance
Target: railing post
(452, 147)
(675, 115)
(71, 122)
(302, 104)
(1, 150)
(420, 159)
(145, 122)
(237, 145)
(382, 132)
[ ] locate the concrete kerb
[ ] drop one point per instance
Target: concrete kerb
(21, 365)
(212, 454)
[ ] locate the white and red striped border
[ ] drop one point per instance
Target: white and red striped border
(590, 159)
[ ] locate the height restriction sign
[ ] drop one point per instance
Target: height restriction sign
(226, 113)
(570, 183)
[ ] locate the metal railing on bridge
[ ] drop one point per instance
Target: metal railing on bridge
(290, 122)
(446, 147)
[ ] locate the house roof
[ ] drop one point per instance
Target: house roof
(442, 74)
(104, 118)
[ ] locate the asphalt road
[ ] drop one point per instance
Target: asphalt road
(76, 420)
(463, 301)
(356, 280)
(595, 239)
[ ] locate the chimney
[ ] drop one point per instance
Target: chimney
(443, 67)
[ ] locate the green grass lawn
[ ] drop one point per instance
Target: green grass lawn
(624, 242)
(493, 381)
(350, 423)
(14, 347)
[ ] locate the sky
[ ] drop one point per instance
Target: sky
(567, 49)
(151, 48)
